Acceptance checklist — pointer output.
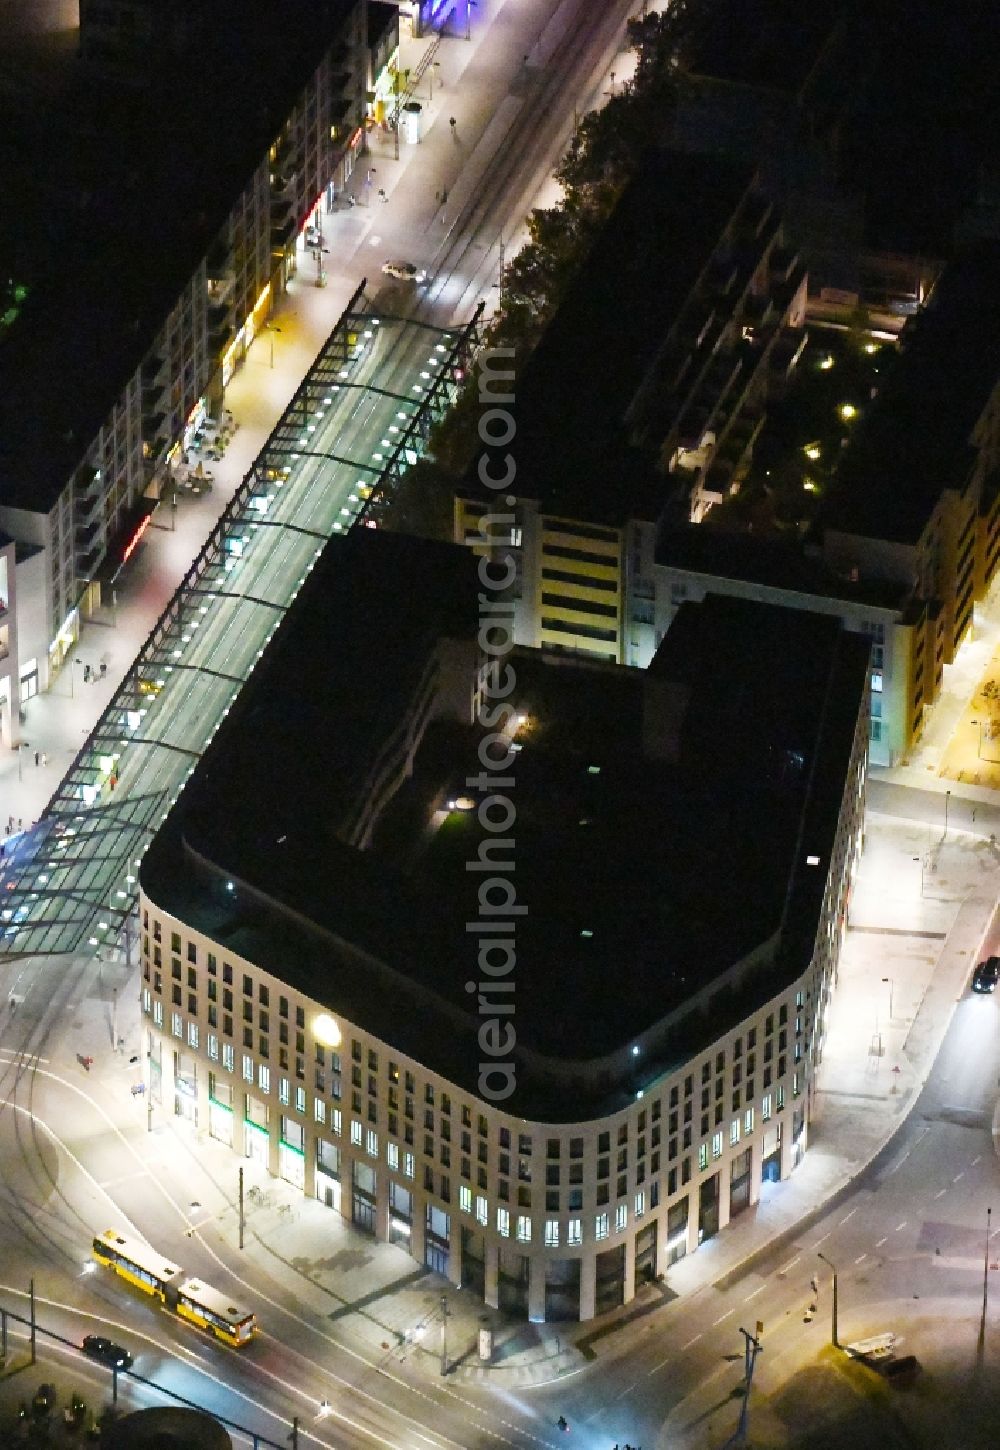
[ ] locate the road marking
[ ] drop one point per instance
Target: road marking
(900, 1225)
(848, 1215)
(822, 1240)
(860, 1257)
(790, 1265)
(957, 1178)
(941, 1193)
(976, 1159)
(755, 1293)
(123, 1178)
(689, 1343)
(722, 1317)
(881, 1242)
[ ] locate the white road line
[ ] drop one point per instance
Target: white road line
(941, 1193)
(124, 1177)
(790, 1265)
(860, 1257)
(900, 1225)
(755, 1293)
(721, 1317)
(957, 1178)
(848, 1215)
(689, 1343)
(881, 1242)
(822, 1240)
(977, 1159)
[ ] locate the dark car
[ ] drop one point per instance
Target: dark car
(110, 1354)
(986, 975)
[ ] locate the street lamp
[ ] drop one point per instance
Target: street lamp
(921, 860)
(986, 1277)
(889, 980)
(833, 1328)
(434, 66)
(24, 745)
(947, 802)
(271, 330)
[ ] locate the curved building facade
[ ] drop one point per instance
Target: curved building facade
(318, 994)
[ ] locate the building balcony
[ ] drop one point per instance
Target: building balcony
(86, 507)
(88, 559)
(282, 233)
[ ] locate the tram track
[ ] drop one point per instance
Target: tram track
(532, 145)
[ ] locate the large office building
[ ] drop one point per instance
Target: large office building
(194, 142)
(487, 948)
(643, 399)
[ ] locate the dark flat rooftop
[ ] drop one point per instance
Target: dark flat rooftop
(782, 564)
(915, 441)
(106, 238)
(769, 43)
(664, 862)
(572, 450)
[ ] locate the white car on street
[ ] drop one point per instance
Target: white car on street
(404, 271)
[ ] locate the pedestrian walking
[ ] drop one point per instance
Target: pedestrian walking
(86, 674)
(452, 123)
(814, 1284)
(104, 669)
(45, 760)
(38, 758)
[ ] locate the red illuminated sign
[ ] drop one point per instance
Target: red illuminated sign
(133, 541)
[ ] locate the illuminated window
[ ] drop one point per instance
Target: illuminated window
(716, 1145)
(551, 1233)
(264, 1077)
(523, 1229)
(574, 1233)
(601, 1226)
(355, 1132)
(247, 1067)
(503, 1223)
(465, 1198)
(482, 1211)
(228, 1056)
(621, 1217)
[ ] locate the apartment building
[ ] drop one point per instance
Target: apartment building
(916, 498)
(643, 399)
(314, 998)
(176, 225)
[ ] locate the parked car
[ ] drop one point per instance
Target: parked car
(986, 975)
(106, 1352)
(404, 271)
